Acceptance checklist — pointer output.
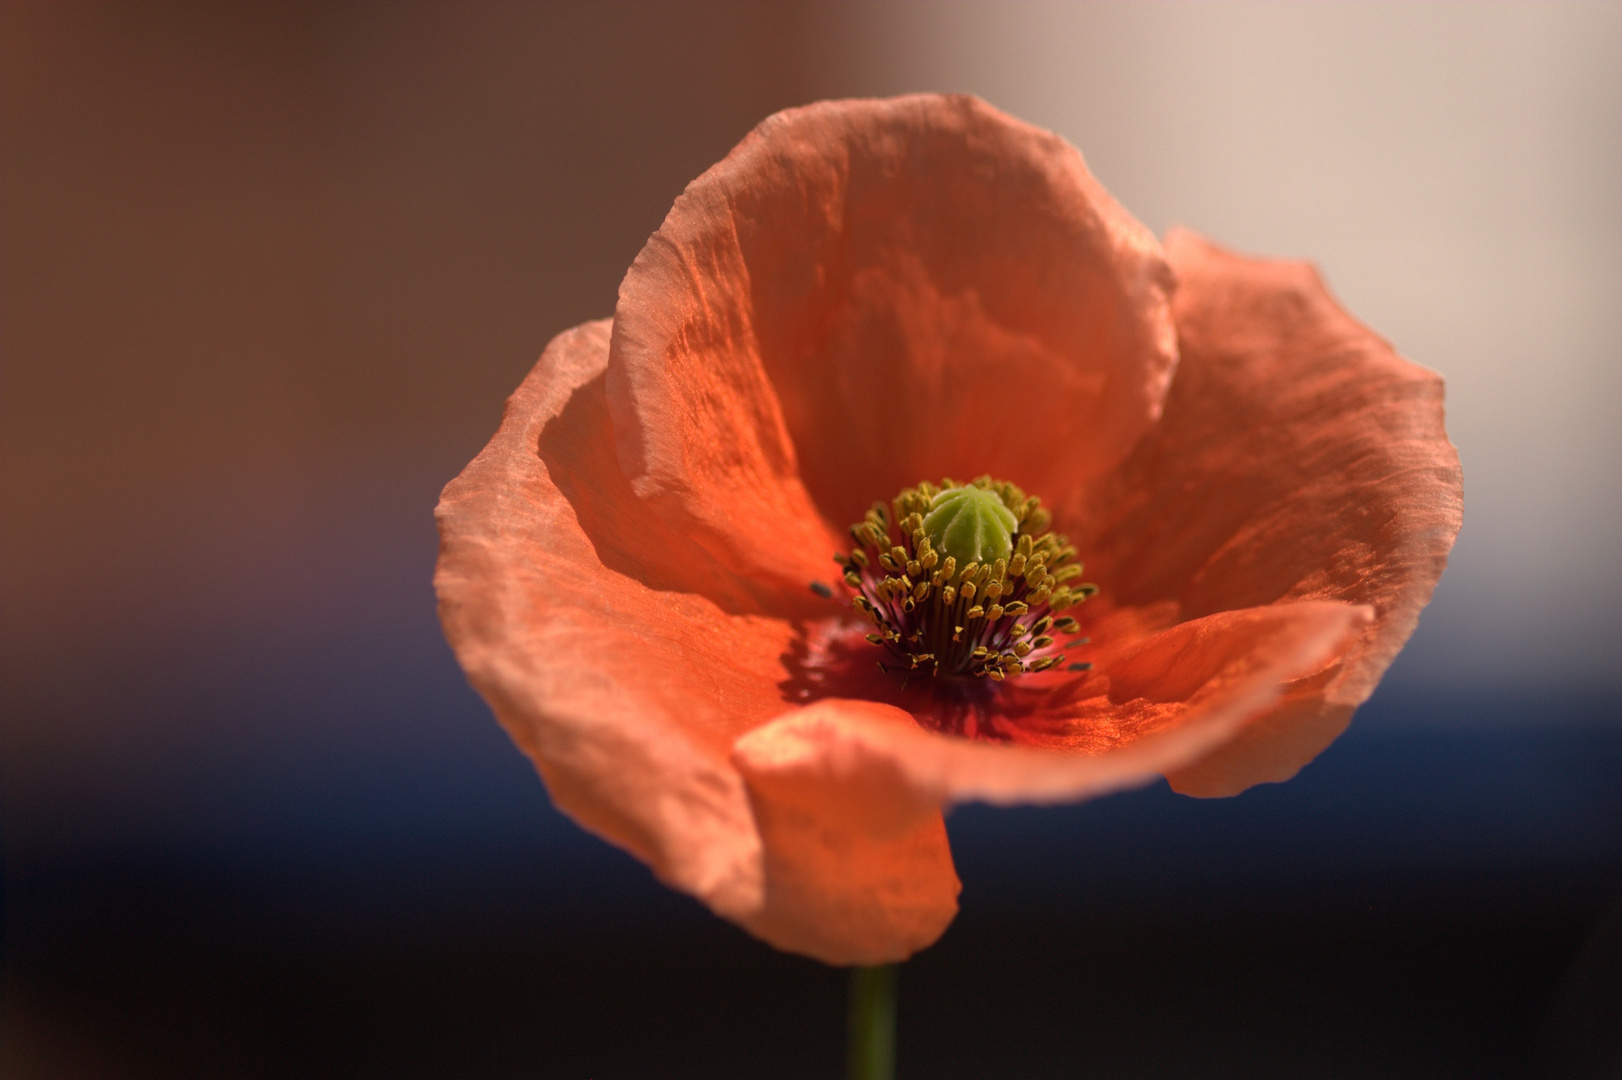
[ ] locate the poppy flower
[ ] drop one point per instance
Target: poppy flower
(863, 301)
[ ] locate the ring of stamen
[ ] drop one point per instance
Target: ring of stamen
(986, 617)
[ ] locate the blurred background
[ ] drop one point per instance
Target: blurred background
(269, 271)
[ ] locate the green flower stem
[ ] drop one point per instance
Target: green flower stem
(872, 1023)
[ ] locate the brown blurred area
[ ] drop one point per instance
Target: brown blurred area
(269, 272)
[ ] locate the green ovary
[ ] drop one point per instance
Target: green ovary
(971, 524)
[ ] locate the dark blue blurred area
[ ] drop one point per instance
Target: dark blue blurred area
(1402, 791)
(1399, 793)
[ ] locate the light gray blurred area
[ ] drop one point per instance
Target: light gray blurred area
(1454, 169)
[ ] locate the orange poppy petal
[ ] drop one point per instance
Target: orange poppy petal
(868, 293)
(619, 656)
(1298, 458)
(858, 869)
(849, 791)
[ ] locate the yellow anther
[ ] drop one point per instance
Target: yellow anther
(928, 559)
(1040, 596)
(969, 590)
(1019, 629)
(875, 639)
(854, 580)
(920, 590)
(993, 589)
(994, 612)
(1018, 607)
(976, 612)
(995, 673)
(859, 557)
(1067, 573)
(948, 594)
(1016, 565)
(1024, 546)
(914, 568)
(1042, 642)
(1041, 625)
(1022, 648)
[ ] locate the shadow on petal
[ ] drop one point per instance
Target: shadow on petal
(1298, 458)
(577, 447)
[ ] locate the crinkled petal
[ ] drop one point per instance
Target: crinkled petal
(849, 791)
(620, 656)
(1298, 458)
(868, 293)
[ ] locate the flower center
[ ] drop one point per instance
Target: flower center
(964, 580)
